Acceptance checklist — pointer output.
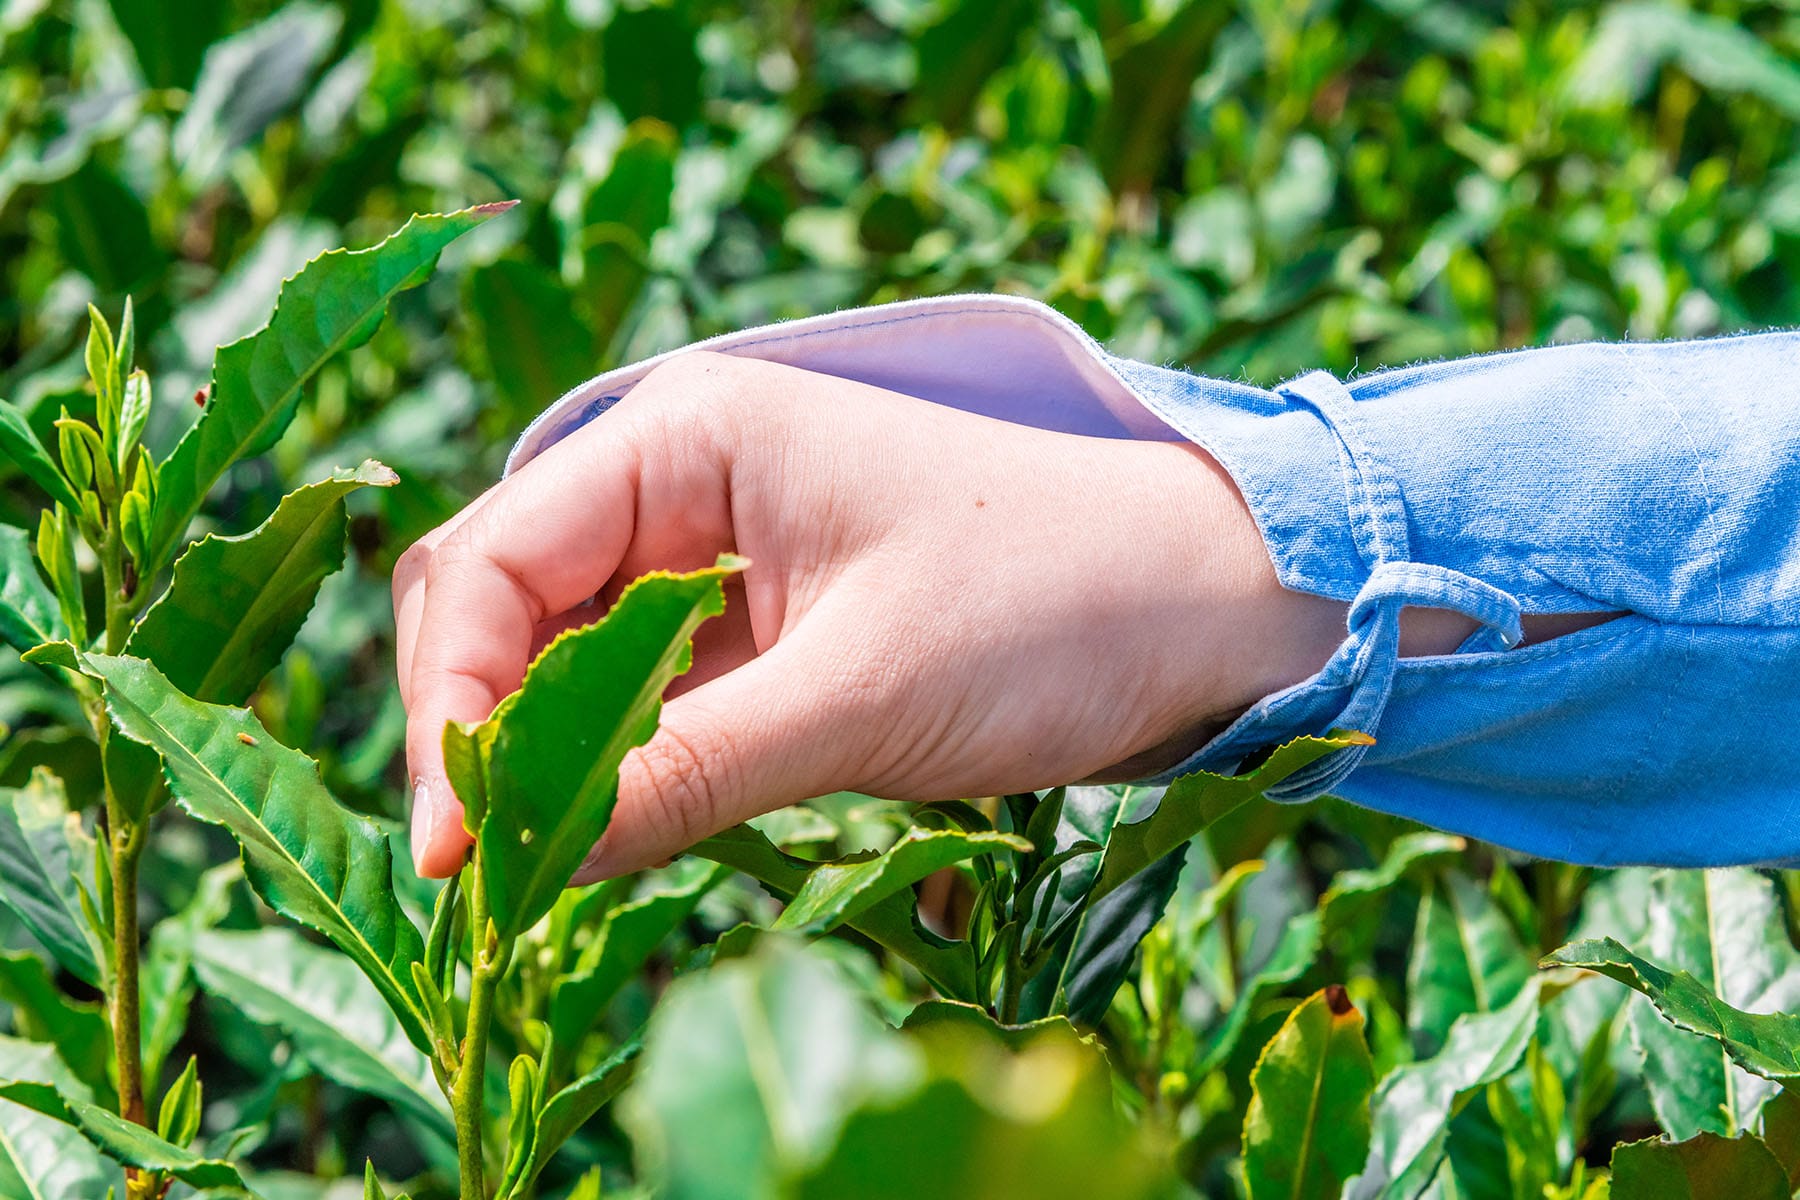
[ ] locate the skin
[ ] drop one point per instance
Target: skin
(938, 604)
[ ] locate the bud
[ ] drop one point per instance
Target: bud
(77, 458)
(56, 551)
(132, 414)
(134, 524)
(100, 350)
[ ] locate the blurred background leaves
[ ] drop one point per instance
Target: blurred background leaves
(1250, 188)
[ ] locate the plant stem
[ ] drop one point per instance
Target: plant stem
(125, 843)
(487, 963)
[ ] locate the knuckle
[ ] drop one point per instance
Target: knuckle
(681, 778)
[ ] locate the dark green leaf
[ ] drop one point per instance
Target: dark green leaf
(169, 52)
(46, 857)
(537, 346)
(652, 69)
(1706, 1167)
(20, 444)
(235, 603)
(308, 857)
(42, 1158)
(592, 696)
(1307, 1129)
(41, 1011)
(334, 304)
(1763, 1044)
(838, 891)
(29, 613)
(1195, 801)
(950, 966)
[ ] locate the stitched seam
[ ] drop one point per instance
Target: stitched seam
(1712, 516)
(1556, 647)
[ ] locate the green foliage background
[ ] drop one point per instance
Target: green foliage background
(1249, 188)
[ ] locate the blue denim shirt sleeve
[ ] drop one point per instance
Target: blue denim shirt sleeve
(1660, 481)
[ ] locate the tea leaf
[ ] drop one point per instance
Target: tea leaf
(44, 857)
(894, 922)
(837, 891)
(553, 768)
(630, 934)
(336, 1020)
(569, 1109)
(1000, 1114)
(1307, 1128)
(41, 1010)
(1195, 801)
(120, 1140)
(235, 603)
(1763, 1044)
(1414, 1103)
(29, 613)
(308, 857)
(20, 444)
(332, 305)
(41, 1158)
(1726, 929)
(750, 1068)
(1705, 1167)
(1466, 958)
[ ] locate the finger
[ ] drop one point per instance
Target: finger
(542, 542)
(752, 740)
(409, 591)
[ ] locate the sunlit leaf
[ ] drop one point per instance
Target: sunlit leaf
(1307, 1129)
(43, 1158)
(307, 856)
(119, 1139)
(1414, 1103)
(1466, 958)
(1724, 928)
(1195, 801)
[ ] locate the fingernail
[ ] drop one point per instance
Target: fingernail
(422, 817)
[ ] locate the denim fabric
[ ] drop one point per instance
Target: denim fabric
(1661, 481)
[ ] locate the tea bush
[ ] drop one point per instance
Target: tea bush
(218, 975)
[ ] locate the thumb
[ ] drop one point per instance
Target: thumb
(750, 741)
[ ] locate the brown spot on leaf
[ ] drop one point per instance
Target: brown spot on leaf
(1337, 1000)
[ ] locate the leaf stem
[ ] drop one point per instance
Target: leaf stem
(488, 958)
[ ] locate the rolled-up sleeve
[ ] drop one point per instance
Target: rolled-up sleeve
(1657, 481)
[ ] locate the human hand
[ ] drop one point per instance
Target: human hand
(938, 604)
